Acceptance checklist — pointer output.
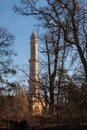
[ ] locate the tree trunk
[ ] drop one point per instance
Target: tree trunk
(51, 90)
(83, 60)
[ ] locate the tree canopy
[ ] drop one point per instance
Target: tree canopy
(67, 16)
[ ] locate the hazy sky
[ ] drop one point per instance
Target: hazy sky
(20, 26)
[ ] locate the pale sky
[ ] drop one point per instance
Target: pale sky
(20, 26)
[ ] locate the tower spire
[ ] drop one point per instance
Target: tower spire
(34, 36)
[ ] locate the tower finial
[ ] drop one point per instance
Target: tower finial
(33, 36)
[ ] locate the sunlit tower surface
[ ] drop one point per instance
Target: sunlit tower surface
(34, 91)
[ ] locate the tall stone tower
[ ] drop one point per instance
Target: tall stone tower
(34, 91)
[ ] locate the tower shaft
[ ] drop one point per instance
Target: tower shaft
(33, 81)
(34, 65)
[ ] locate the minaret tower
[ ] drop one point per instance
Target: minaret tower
(33, 79)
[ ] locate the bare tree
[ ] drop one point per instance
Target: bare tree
(64, 38)
(70, 17)
(6, 51)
